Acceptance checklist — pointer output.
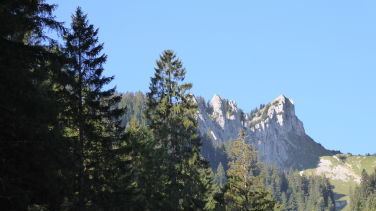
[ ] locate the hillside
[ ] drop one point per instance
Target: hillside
(344, 172)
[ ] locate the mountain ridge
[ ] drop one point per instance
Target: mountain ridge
(278, 134)
(274, 129)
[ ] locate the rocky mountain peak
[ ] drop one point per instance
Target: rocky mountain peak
(274, 129)
(284, 105)
(218, 110)
(278, 114)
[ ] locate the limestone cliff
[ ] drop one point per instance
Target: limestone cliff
(274, 129)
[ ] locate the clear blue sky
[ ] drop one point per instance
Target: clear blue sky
(321, 54)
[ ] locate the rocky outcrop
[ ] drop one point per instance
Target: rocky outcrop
(274, 129)
(220, 119)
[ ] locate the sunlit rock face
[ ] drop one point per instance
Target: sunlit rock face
(274, 129)
(220, 119)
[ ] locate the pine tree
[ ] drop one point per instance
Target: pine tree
(90, 114)
(244, 189)
(220, 176)
(170, 114)
(212, 190)
(31, 146)
(364, 196)
(135, 104)
(144, 160)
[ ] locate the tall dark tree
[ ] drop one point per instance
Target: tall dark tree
(90, 115)
(144, 161)
(171, 113)
(30, 143)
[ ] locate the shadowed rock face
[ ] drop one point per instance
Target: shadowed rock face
(274, 129)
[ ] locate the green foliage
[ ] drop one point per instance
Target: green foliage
(364, 197)
(244, 189)
(220, 176)
(90, 119)
(342, 157)
(135, 103)
(31, 146)
(213, 153)
(171, 116)
(296, 192)
(63, 146)
(143, 160)
(265, 112)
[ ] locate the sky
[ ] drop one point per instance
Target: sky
(321, 54)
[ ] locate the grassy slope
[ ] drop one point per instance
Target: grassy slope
(352, 162)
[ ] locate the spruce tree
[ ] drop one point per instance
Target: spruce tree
(144, 160)
(170, 114)
(90, 115)
(220, 176)
(364, 196)
(244, 188)
(31, 146)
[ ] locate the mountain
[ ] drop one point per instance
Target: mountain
(274, 129)
(277, 133)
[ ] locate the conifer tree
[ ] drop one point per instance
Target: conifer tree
(144, 165)
(31, 148)
(170, 114)
(220, 176)
(363, 197)
(244, 188)
(90, 114)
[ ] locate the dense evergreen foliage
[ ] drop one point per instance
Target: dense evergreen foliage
(90, 123)
(135, 104)
(171, 114)
(31, 145)
(363, 197)
(291, 190)
(214, 153)
(297, 192)
(220, 176)
(67, 143)
(244, 189)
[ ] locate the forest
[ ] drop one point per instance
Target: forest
(69, 143)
